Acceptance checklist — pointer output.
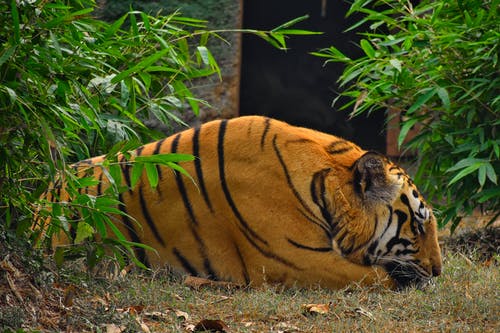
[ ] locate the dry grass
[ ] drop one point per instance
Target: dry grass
(464, 299)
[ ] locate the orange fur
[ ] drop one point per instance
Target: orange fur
(278, 203)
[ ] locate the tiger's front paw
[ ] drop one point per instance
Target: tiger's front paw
(383, 278)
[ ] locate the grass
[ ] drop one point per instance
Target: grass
(465, 298)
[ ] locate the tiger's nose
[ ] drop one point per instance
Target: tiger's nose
(436, 270)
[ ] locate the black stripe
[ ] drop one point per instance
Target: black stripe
(413, 221)
(210, 272)
(289, 180)
(269, 254)
(249, 234)
(318, 191)
(140, 252)
(225, 189)
(125, 166)
(243, 265)
(305, 247)
(194, 222)
(199, 170)
(303, 140)
(340, 239)
(99, 186)
(402, 216)
(333, 148)
(388, 222)
(57, 188)
(185, 263)
(157, 151)
(373, 246)
(180, 183)
(264, 134)
(139, 150)
(148, 218)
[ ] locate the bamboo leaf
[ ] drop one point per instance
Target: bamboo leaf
(140, 66)
(405, 129)
(152, 174)
(165, 158)
(466, 171)
(421, 100)
(367, 48)
(396, 64)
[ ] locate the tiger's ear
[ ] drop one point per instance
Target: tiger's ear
(371, 180)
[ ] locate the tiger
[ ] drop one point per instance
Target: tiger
(275, 203)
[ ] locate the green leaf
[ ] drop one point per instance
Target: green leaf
(290, 23)
(115, 172)
(116, 231)
(113, 28)
(490, 172)
(405, 129)
(367, 48)
(15, 21)
(445, 98)
(135, 176)
(7, 54)
(62, 20)
(488, 194)
(481, 175)
(165, 158)
(396, 64)
(466, 171)
(140, 66)
(466, 162)
(152, 174)
(180, 169)
(422, 100)
(203, 51)
(83, 232)
(299, 32)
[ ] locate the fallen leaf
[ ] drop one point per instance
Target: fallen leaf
(112, 328)
(316, 308)
(144, 327)
(156, 315)
(189, 327)
(286, 327)
(488, 262)
(133, 310)
(181, 315)
(211, 325)
(248, 323)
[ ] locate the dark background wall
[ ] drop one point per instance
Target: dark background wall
(295, 86)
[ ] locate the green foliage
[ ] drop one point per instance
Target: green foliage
(73, 86)
(438, 61)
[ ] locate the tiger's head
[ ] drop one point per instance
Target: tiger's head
(405, 235)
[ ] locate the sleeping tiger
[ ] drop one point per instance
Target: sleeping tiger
(279, 204)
